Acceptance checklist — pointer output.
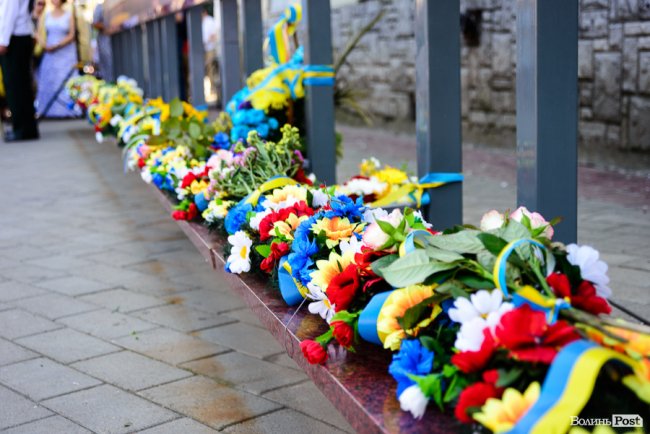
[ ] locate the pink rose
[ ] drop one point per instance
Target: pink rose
(536, 220)
(374, 237)
(492, 220)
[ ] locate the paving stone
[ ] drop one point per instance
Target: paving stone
(246, 372)
(168, 269)
(116, 258)
(42, 378)
(170, 346)
(59, 262)
(306, 398)
(16, 410)
(74, 285)
(108, 409)
(49, 425)
(283, 421)
(121, 300)
(24, 252)
(208, 402)
(67, 345)
(54, 306)
(283, 359)
(244, 338)
(11, 290)
(16, 323)
(106, 324)
(130, 371)
(12, 353)
(182, 318)
(212, 301)
(180, 426)
(155, 285)
(31, 273)
(245, 315)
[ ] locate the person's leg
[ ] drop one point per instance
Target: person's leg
(20, 94)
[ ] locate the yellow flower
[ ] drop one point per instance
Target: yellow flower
(398, 302)
(287, 192)
(335, 229)
(369, 166)
(198, 186)
(391, 175)
(288, 226)
(330, 268)
(500, 415)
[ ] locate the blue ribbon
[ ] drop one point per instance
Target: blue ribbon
(369, 316)
(288, 288)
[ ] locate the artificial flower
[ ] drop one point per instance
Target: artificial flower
(334, 229)
(343, 333)
(474, 395)
(320, 304)
(391, 175)
(472, 361)
(329, 268)
(527, 336)
(412, 359)
(583, 297)
(591, 267)
(492, 220)
(239, 259)
(414, 401)
(537, 221)
(278, 250)
(500, 415)
(395, 306)
(487, 305)
(343, 287)
(374, 236)
(313, 352)
(353, 245)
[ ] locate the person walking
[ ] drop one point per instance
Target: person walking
(59, 61)
(16, 48)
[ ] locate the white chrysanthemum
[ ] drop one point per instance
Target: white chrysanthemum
(99, 137)
(257, 219)
(470, 336)
(146, 176)
(413, 400)
(362, 187)
(116, 120)
(321, 304)
(482, 304)
(352, 245)
(591, 267)
(319, 198)
(239, 259)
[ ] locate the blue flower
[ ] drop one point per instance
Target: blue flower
(240, 117)
(413, 359)
(238, 132)
(302, 248)
(222, 141)
(256, 116)
(263, 130)
(236, 217)
(273, 123)
(158, 180)
(343, 206)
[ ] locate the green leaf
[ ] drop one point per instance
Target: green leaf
(457, 292)
(386, 227)
(383, 262)
(476, 282)
(513, 231)
(447, 287)
(175, 108)
(345, 316)
(264, 250)
(194, 130)
(507, 377)
(443, 255)
(492, 243)
(486, 260)
(431, 386)
(413, 268)
(463, 242)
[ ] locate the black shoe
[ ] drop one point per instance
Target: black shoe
(11, 136)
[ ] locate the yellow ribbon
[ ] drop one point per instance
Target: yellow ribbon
(301, 288)
(271, 184)
(414, 188)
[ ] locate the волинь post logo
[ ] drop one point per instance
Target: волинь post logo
(617, 420)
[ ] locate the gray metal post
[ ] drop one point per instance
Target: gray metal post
(170, 61)
(230, 60)
(135, 41)
(252, 34)
(319, 100)
(196, 55)
(145, 52)
(155, 61)
(547, 110)
(126, 53)
(115, 50)
(437, 117)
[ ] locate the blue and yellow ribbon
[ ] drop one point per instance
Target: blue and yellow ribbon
(275, 182)
(278, 39)
(318, 75)
(416, 190)
(568, 387)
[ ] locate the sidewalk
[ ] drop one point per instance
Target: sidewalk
(110, 321)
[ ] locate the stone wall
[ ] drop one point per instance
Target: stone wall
(614, 72)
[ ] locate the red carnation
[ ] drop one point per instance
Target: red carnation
(301, 177)
(179, 215)
(343, 333)
(584, 297)
(343, 287)
(529, 338)
(474, 396)
(278, 250)
(313, 352)
(192, 211)
(141, 162)
(188, 179)
(473, 361)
